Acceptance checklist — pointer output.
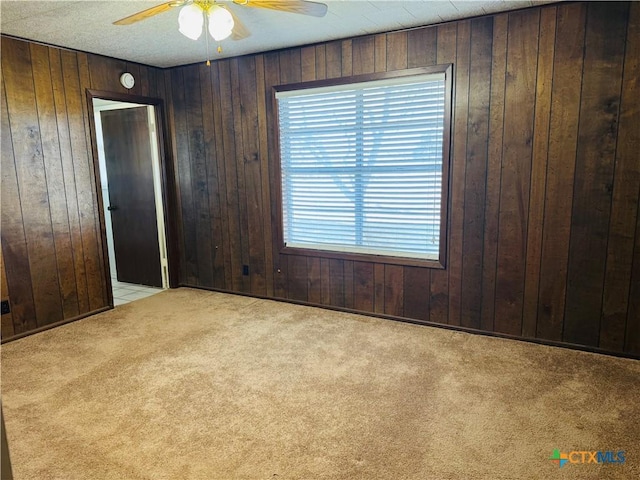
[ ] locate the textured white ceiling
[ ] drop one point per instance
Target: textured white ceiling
(87, 25)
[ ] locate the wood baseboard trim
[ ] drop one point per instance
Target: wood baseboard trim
(53, 325)
(539, 341)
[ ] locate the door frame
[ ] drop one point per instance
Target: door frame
(167, 181)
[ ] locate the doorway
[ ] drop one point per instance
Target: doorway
(129, 162)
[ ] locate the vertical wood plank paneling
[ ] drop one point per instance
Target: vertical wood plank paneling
(314, 280)
(603, 61)
(155, 80)
(494, 172)
(297, 277)
(105, 73)
(325, 283)
(272, 78)
(563, 134)
(84, 178)
(349, 293)
(32, 182)
(422, 47)
(334, 59)
(221, 177)
(380, 52)
(149, 78)
(446, 42)
(291, 64)
(363, 286)
(14, 243)
(211, 156)
(308, 63)
(183, 174)
(394, 290)
(416, 293)
(54, 175)
(199, 254)
(252, 174)
(173, 162)
(159, 86)
(290, 71)
(347, 58)
(336, 282)
(264, 98)
(538, 170)
(516, 169)
(172, 117)
(144, 81)
(458, 166)
(475, 171)
(98, 281)
(439, 281)
(97, 287)
(232, 202)
(363, 55)
(397, 51)
(624, 208)
(378, 287)
(70, 189)
(238, 164)
(321, 62)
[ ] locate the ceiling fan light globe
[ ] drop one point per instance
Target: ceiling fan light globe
(220, 23)
(191, 20)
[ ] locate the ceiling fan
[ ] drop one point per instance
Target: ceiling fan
(222, 22)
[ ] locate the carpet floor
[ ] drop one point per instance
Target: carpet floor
(190, 384)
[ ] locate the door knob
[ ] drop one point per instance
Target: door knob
(112, 208)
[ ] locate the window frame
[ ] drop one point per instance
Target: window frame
(440, 262)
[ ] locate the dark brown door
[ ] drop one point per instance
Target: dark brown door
(128, 157)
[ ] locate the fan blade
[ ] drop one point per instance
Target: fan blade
(302, 7)
(239, 30)
(150, 12)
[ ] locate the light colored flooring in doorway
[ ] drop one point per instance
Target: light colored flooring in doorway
(128, 292)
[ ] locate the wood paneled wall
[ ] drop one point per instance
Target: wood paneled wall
(544, 230)
(544, 235)
(51, 243)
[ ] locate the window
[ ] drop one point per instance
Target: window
(363, 166)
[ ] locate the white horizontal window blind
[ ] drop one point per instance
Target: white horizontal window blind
(361, 166)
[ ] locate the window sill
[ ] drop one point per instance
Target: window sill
(362, 257)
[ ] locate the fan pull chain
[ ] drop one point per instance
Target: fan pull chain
(206, 36)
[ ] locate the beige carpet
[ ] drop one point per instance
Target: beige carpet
(190, 384)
